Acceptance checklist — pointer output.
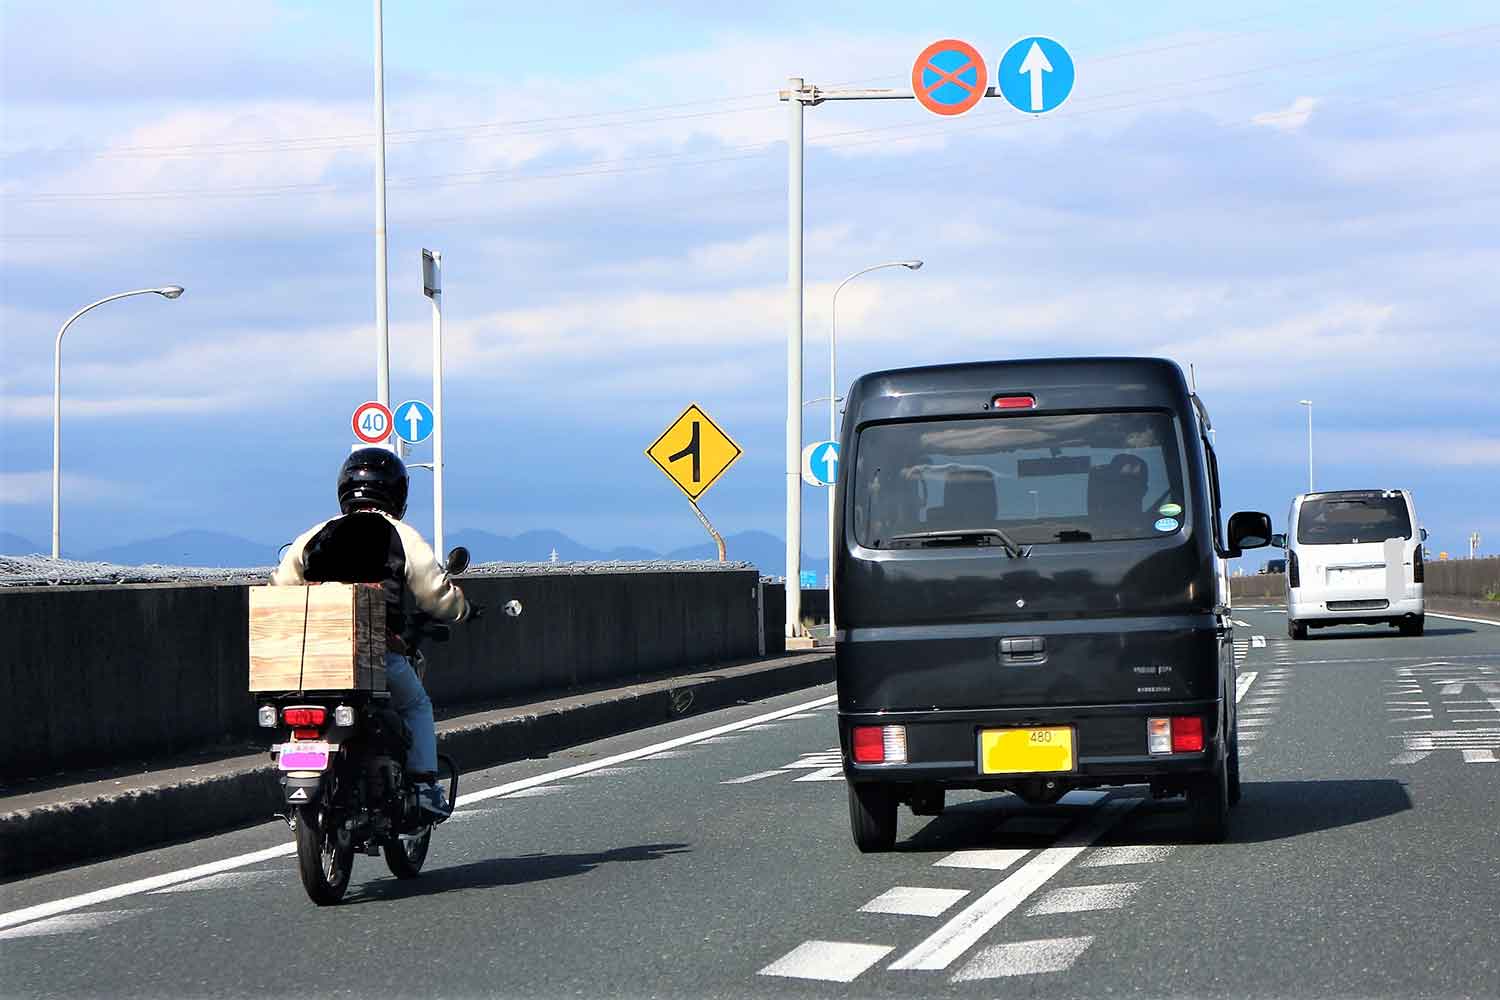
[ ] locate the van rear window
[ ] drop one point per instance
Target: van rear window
(1345, 520)
(1040, 479)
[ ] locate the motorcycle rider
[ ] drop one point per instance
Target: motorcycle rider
(369, 543)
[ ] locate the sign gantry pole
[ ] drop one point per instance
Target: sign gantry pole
(432, 286)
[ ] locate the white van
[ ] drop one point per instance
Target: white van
(1354, 557)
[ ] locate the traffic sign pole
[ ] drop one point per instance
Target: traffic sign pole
(718, 539)
(432, 287)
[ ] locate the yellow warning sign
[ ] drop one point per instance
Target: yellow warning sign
(694, 452)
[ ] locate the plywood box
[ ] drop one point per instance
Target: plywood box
(325, 637)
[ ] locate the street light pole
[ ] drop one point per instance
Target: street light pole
(166, 292)
(833, 408)
(432, 286)
(794, 368)
(1308, 403)
(382, 298)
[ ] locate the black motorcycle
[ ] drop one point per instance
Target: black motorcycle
(343, 777)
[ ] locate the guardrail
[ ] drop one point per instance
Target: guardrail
(105, 675)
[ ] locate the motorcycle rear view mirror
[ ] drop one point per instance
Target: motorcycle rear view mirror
(458, 560)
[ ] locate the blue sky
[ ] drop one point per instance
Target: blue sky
(1299, 199)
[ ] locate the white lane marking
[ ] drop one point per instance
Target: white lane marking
(612, 772)
(1479, 757)
(1083, 797)
(914, 901)
(670, 755)
(1258, 642)
(829, 961)
(964, 930)
(804, 715)
(1249, 735)
(1243, 684)
(751, 777)
(718, 740)
(824, 774)
(1134, 854)
(1083, 898)
(539, 791)
(1256, 720)
(1456, 618)
(813, 761)
(235, 880)
(165, 879)
(1023, 958)
(1260, 710)
(459, 815)
(994, 860)
(69, 923)
(1239, 623)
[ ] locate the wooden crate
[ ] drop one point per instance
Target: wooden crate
(325, 637)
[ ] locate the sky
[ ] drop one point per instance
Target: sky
(1299, 200)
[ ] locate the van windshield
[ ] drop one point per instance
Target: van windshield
(1345, 520)
(1039, 479)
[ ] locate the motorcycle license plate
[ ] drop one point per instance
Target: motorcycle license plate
(303, 756)
(1026, 751)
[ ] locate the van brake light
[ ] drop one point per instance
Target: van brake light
(1026, 402)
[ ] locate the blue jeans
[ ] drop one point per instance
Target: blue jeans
(409, 699)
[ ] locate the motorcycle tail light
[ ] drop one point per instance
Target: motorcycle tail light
(307, 715)
(343, 716)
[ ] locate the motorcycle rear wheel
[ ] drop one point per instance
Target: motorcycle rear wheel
(324, 860)
(404, 856)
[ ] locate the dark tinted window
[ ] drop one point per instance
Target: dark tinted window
(1053, 478)
(1341, 520)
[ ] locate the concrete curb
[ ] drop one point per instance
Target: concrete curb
(70, 825)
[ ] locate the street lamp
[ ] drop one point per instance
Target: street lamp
(833, 405)
(166, 292)
(1308, 403)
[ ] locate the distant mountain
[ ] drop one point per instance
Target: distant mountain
(191, 548)
(15, 545)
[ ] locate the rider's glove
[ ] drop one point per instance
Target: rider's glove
(476, 612)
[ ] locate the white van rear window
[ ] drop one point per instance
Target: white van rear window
(1346, 520)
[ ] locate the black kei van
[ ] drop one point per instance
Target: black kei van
(1028, 589)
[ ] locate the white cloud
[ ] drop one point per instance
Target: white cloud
(19, 489)
(1445, 447)
(1290, 119)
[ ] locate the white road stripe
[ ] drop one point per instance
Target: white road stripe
(1456, 618)
(235, 880)
(1024, 958)
(69, 923)
(538, 792)
(824, 774)
(1135, 854)
(829, 961)
(914, 901)
(751, 777)
(70, 903)
(1479, 757)
(964, 930)
(1258, 642)
(995, 860)
(1083, 898)
(1243, 684)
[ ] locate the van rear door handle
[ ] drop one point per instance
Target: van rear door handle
(1023, 649)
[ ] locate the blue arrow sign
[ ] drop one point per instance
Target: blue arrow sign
(1035, 75)
(820, 463)
(414, 421)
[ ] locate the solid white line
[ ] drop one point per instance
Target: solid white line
(1243, 684)
(965, 929)
(70, 903)
(1456, 618)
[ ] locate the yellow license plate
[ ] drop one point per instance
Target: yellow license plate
(1026, 751)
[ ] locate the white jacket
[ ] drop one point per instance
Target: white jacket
(426, 580)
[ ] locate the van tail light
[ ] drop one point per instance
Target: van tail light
(1027, 402)
(879, 744)
(305, 716)
(1418, 566)
(1179, 734)
(1293, 574)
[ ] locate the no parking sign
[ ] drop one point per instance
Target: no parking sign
(949, 77)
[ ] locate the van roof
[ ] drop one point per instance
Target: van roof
(1351, 494)
(1055, 383)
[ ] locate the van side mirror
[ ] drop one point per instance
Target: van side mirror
(458, 561)
(1279, 540)
(1424, 534)
(1248, 529)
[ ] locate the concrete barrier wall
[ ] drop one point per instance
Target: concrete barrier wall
(1468, 578)
(95, 676)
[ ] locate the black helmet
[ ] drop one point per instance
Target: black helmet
(373, 477)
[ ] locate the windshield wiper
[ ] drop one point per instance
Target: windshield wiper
(980, 536)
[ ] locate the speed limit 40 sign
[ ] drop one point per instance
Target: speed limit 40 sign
(372, 422)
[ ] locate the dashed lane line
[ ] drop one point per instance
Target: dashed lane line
(68, 904)
(1243, 684)
(914, 901)
(1085, 898)
(1024, 958)
(964, 930)
(828, 961)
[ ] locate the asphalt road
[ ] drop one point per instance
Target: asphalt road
(1364, 860)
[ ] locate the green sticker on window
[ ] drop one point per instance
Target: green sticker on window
(1170, 509)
